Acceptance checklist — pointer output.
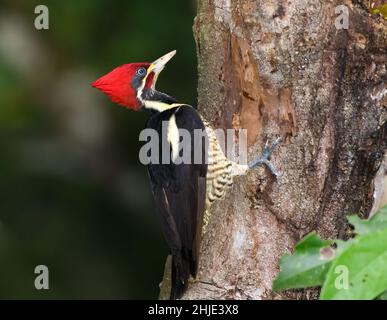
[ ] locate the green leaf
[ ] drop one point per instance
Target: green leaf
(383, 296)
(308, 265)
(377, 222)
(360, 271)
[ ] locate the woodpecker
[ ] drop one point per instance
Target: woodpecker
(184, 192)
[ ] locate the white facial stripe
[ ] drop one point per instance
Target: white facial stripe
(140, 89)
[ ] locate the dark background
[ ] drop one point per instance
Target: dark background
(73, 195)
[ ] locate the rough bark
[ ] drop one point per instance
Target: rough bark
(281, 68)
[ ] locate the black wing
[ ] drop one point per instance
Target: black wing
(179, 191)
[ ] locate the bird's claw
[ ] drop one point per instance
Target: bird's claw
(267, 151)
(264, 158)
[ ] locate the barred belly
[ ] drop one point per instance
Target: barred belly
(220, 174)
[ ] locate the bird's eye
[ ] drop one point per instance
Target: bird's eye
(141, 71)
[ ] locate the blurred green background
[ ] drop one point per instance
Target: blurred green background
(73, 194)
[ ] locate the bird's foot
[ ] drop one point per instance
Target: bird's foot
(264, 158)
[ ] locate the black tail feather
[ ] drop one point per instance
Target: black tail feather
(180, 275)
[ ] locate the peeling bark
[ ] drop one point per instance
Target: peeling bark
(281, 68)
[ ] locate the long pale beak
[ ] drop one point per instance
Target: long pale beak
(158, 65)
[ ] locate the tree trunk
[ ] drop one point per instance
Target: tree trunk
(282, 68)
